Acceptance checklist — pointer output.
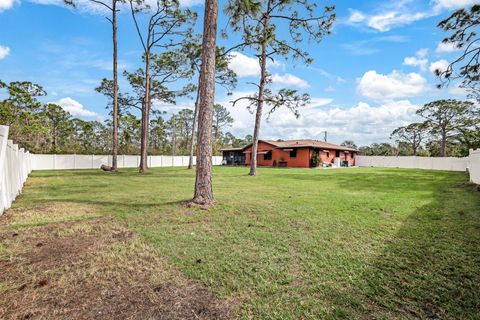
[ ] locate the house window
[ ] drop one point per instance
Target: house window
(267, 156)
(293, 153)
(328, 154)
(337, 154)
(352, 156)
(346, 156)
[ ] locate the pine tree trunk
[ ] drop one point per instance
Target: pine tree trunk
(115, 89)
(258, 115)
(194, 129)
(54, 140)
(145, 116)
(414, 145)
(203, 182)
(174, 135)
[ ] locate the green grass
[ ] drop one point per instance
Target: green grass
(299, 243)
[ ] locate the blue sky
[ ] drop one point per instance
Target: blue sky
(367, 78)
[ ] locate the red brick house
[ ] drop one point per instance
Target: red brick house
(294, 154)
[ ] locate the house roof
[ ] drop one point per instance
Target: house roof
(305, 143)
(232, 149)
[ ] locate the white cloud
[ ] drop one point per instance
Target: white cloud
(75, 108)
(6, 4)
(419, 60)
(415, 62)
(356, 17)
(452, 4)
(94, 8)
(440, 65)
(422, 53)
(391, 86)
(363, 123)
(319, 102)
(190, 3)
(183, 3)
(458, 91)
(81, 5)
(446, 47)
(172, 108)
(389, 15)
(244, 66)
(4, 51)
(386, 21)
(290, 80)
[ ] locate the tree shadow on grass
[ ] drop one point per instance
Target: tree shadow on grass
(430, 269)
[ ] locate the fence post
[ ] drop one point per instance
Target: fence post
(3, 167)
(9, 173)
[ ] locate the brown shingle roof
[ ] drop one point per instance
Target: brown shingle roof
(305, 143)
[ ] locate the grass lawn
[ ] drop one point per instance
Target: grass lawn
(358, 243)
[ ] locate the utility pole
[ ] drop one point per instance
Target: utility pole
(324, 135)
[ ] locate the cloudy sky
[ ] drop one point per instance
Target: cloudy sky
(367, 78)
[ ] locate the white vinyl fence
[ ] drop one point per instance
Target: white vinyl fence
(428, 163)
(470, 163)
(474, 166)
(14, 169)
(79, 161)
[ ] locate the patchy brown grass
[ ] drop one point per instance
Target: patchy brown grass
(47, 213)
(92, 269)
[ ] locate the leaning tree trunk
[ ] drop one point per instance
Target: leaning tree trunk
(258, 116)
(145, 116)
(115, 89)
(194, 130)
(203, 182)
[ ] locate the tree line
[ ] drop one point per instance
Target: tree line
(450, 128)
(48, 128)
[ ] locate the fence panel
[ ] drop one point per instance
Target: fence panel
(82, 161)
(474, 166)
(155, 161)
(98, 160)
(428, 163)
(15, 167)
(131, 161)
